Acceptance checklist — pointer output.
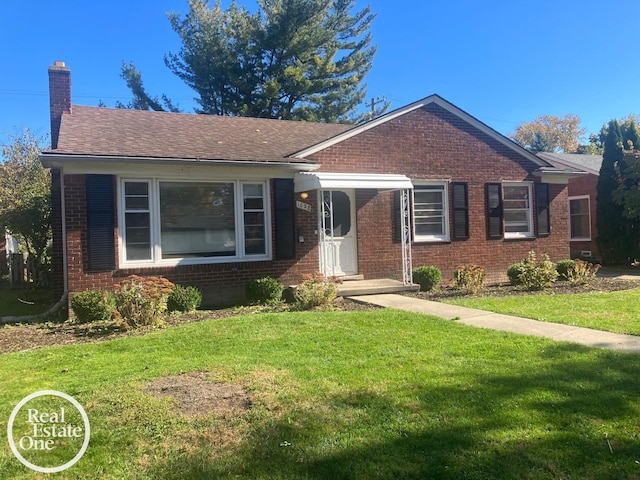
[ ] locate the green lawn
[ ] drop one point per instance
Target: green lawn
(353, 395)
(617, 312)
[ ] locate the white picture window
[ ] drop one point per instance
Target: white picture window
(580, 218)
(168, 222)
(430, 212)
(517, 208)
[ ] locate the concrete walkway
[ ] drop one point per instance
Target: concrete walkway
(507, 323)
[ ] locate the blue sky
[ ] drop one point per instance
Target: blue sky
(503, 62)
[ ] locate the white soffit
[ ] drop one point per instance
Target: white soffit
(339, 181)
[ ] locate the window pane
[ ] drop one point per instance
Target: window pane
(136, 188)
(517, 209)
(252, 190)
(253, 203)
(341, 212)
(254, 219)
(137, 227)
(579, 206)
(428, 211)
(580, 226)
(580, 222)
(137, 221)
(197, 219)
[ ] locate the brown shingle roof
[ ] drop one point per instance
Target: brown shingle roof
(134, 133)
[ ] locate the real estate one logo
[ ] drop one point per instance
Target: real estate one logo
(49, 431)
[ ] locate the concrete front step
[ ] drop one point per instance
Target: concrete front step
(373, 287)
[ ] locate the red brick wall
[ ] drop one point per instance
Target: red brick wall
(431, 143)
(220, 283)
(586, 185)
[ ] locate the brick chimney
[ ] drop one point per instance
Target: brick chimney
(59, 97)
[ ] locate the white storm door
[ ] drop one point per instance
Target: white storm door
(339, 236)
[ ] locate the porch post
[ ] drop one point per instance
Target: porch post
(407, 264)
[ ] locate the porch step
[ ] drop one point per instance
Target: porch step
(373, 287)
(351, 278)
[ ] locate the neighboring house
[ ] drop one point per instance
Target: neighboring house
(218, 201)
(582, 200)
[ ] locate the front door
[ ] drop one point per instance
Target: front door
(338, 240)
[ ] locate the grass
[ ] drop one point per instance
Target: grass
(23, 302)
(617, 312)
(357, 395)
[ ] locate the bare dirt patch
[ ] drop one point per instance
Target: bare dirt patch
(196, 394)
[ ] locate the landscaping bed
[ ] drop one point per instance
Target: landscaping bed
(15, 338)
(598, 284)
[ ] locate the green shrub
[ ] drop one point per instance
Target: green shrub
(93, 306)
(264, 290)
(469, 278)
(538, 274)
(563, 267)
(314, 291)
(428, 277)
(582, 272)
(142, 300)
(514, 271)
(184, 299)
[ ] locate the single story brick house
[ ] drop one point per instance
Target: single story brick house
(218, 201)
(582, 191)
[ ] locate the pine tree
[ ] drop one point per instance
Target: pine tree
(291, 59)
(617, 238)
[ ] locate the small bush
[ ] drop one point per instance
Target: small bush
(142, 300)
(563, 267)
(428, 277)
(184, 299)
(314, 291)
(93, 306)
(538, 274)
(265, 290)
(469, 278)
(514, 271)
(582, 272)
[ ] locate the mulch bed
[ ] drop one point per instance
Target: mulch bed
(598, 284)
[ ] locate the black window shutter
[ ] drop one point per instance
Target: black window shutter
(542, 209)
(284, 206)
(460, 211)
(100, 222)
(494, 210)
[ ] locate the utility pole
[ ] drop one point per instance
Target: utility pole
(374, 102)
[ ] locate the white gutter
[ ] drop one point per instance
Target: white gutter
(57, 160)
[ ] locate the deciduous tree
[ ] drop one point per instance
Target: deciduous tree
(549, 133)
(25, 201)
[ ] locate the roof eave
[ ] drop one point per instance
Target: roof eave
(52, 159)
(558, 176)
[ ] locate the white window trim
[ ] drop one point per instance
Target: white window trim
(154, 205)
(529, 233)
(580, 197)
(445, 237)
